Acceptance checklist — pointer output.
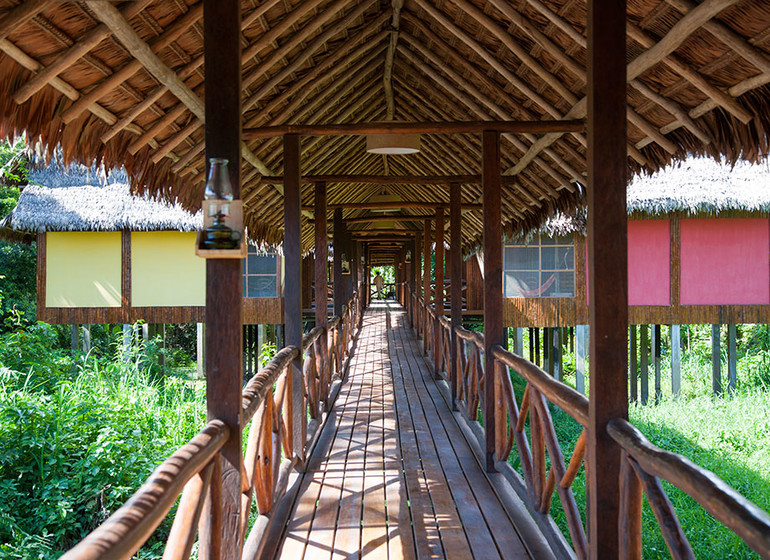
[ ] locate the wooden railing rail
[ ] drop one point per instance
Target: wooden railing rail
(195, 469)
(541, 457)
(131, 525)
(541, 481)
(644, 465)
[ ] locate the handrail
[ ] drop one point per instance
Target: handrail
(128, 528)
(745, 519)
(194, 468)
(256, 389)
(642, 466)
(563, 396)
(471, 336)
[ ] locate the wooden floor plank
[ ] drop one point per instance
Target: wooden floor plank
(453, 537)
(398, 480)
(469, 483)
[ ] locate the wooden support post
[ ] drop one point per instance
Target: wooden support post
(581, 345)
(127, 342)
(656, 361)
(439, 299)
(537, 346)
(608, 267)
(321, 283)
(518, 341)
(339, 242)
(676, 360)
(644, 348)
(456, 279)
(224, 282)
(633, 366)
(426, 295)
(292, 295)
(532, 344)
(732, 359)
(716, 359)
(494, 419)
(547, 347)
(74, 338)
(86, 329)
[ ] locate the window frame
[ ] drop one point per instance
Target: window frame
(543, 274)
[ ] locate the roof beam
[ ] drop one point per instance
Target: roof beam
(171, 34)
(457, 127)
(21, 14)
(60, 85)
(123, 31)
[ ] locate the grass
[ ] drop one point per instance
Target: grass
(727, 435)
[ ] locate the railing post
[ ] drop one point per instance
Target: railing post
(425, 283)
(493, 290)
(455, 275)
(292, 295)
(321, 287)
(608, 274)
(439, 300)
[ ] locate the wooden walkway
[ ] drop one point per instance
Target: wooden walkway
(393, 476)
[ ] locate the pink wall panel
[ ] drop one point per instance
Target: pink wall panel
(725, 261)
(649, 262)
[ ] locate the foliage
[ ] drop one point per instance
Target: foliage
(18, 284)
(725, 434)
(75, 443)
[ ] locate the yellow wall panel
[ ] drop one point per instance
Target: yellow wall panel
(83, 269)
(165, 272)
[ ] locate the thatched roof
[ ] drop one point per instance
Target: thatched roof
(698, 83)
(702, 185)
(109, 208)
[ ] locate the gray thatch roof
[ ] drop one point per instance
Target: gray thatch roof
(88, 208)
(702, 185)
(55, 175)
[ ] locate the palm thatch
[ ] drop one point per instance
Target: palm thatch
(86, 208)
(698, 78)
(701, 186)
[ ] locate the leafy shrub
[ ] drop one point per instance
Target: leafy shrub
(76, 443)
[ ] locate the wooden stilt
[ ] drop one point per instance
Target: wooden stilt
(656, 361)
(633, 366)
(222, 58)
(644, 335)
(732, 359)
(716, 360)
(676, 360)
(494, 419)
(581, 345)
(608, 272)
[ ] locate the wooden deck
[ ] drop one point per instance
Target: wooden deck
(393, 476)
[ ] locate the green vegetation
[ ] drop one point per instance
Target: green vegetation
(79, 435)
(727, 435)
(17, 261)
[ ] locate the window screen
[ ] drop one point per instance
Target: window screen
(260, 274)
(544, 267)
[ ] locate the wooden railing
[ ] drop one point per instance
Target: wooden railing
(195, 469)
(645, 465)
(544, 469)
